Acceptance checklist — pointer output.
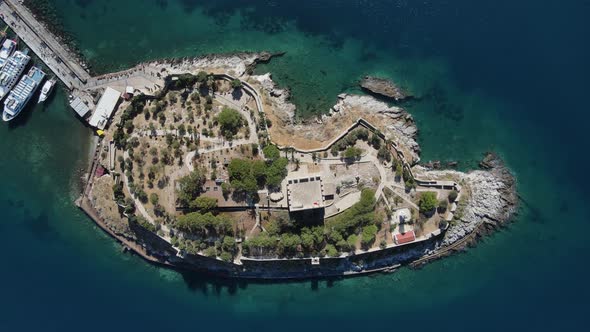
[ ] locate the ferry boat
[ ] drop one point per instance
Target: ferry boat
(46, 90)
(8, 47)
(21, 94)
(9, 74)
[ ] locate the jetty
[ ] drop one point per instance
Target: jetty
(44, 44)
(85, 90)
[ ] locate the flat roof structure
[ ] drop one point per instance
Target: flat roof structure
(305, 193)
(104, 108)
(78, 105)
(407, 237)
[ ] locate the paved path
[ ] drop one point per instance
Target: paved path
(44, 44)
(402, 195)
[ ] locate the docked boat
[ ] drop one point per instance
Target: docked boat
(21, 94)
(9, 74)
(46, 90)
(8, 47)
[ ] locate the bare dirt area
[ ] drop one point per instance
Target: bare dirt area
(101, 197)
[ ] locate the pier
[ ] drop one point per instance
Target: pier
(66, 66)
(44, 44)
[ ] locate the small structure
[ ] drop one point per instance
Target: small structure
(401, 216)
(78, 105)
(305, 193)
(329, 190)
(104, 109)
(407, 237)
(129, 92)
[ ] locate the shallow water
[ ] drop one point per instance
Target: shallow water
(490, 76)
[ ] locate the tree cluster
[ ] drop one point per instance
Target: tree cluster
(250, 175)
(189, 187)
(204, 224)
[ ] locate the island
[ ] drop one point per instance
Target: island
(199, 164)
(210, 171)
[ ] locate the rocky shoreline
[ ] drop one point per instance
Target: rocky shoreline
(394, 122)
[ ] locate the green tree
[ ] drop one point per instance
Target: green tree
(376, 141)
(229, 244)
(353, 153)
(271, 152)
(236, 83)
(226, 256)
(230, 122)
(289, 244)
(128, 125)
(427, 201)
(204, 204)
(331, 251)
(190, 187)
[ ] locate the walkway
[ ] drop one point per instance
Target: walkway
(62, 62)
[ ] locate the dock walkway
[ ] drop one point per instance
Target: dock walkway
(44, 44)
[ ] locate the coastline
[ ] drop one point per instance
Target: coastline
(372, 262)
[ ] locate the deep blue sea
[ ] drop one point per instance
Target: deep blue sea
(507, 76)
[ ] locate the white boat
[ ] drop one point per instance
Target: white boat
(8, 47)
(21, 94)
(46, 90)
(9, 74)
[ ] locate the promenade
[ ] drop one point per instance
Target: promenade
(44, 44)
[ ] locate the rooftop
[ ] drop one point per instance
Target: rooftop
(104, 108)
(305, 193)
(406, 237)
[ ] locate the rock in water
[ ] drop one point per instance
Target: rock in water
(383, 87)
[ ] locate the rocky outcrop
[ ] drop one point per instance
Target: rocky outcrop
(283, 109)
(488, 198)
(235, 64)
(394, 122)
(383, 87)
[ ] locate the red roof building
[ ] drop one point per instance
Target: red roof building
(406, 237)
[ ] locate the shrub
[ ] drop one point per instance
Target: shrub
(331, 251)
(427, 201)
(226, 256)
(236, 83)
(154, 199)
(368, 236)
(443, 204)
(359, 215)
(453, 195)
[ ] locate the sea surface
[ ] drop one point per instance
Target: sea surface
(503, 76)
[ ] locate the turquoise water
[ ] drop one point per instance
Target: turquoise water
(491, 76)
